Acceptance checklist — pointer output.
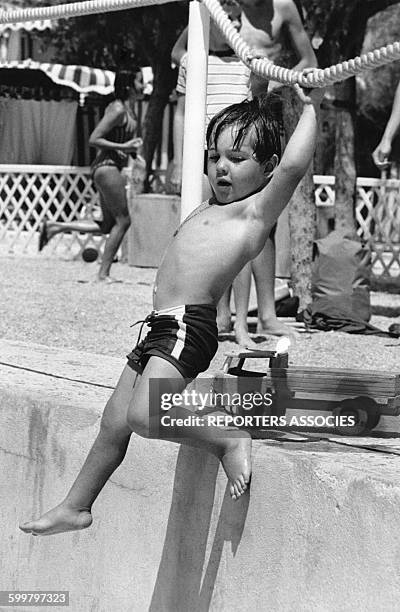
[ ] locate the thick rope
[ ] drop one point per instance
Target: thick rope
(319, 77)
(72, 9)
(260, 66)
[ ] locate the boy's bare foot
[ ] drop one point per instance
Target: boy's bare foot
(58, 520)
(274, 327)
(236, 461)
(243, 339)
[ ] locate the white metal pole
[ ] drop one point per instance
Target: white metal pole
(195, 106)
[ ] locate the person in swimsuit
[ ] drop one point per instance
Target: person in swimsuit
(117, 145)
(209, 248)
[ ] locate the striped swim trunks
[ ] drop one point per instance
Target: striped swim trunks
(186, 336)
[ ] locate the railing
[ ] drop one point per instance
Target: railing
(377, 214)
(30, 194)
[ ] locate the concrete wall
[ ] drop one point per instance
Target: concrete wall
(318, 532)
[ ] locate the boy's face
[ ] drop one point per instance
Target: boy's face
(234, 173)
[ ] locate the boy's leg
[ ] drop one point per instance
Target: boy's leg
(241, 291)
(224, 314)
(263, 267)
(232, 447)
(127, 411)
(104, 457)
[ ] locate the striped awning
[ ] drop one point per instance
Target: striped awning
(38, 24)
(28, 26)
(82, 79)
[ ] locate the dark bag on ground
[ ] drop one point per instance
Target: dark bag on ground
(287, 307)
(341, 286)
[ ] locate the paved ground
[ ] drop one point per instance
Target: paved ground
(56, 303)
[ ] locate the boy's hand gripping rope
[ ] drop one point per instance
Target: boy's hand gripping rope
(260, 66)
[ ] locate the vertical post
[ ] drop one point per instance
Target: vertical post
(195, 105)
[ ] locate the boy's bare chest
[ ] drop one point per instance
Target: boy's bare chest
(215, 234)
(210, 221)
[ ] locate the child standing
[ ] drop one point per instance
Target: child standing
(208, 250)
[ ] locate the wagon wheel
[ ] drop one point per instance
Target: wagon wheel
(363, 409)
(374, 416)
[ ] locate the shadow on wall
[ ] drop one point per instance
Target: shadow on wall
(179, 585)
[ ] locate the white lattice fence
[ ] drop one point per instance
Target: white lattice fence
(31, 194)
(377, 217)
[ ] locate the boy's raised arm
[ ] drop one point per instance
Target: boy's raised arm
(295, 160)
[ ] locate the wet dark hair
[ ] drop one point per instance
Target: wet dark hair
(124, 80)
(253, 114)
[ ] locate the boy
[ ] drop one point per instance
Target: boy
(203, 258)
(274, 30)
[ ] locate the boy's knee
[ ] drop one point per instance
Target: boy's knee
(138, 422)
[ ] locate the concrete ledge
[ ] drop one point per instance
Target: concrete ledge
(319, 531)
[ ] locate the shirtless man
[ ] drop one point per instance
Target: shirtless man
(264, 25)
(203, 258)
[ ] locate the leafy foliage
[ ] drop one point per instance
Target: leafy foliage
(141, 36)
(345, 29)
(117, 39)
(145, 36)
(341, 25)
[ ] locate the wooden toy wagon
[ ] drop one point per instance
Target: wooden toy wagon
(363, 395)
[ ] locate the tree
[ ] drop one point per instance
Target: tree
(375, 92)
(341, 25)
(302, 213)
(141, 36)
